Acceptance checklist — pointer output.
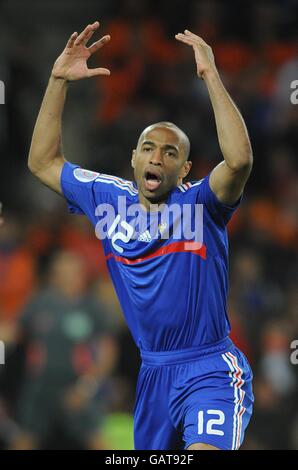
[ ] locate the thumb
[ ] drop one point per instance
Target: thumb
(98, 71)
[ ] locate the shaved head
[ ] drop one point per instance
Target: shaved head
(184, 140)
(160, 161)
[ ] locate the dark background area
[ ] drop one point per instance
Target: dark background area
(153, 78)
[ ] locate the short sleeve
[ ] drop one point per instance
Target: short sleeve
(219, 211)
(78, 189)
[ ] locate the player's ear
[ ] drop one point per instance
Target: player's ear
(133, 158)
(185, 169)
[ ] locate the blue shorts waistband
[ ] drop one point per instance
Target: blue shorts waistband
(152, 358)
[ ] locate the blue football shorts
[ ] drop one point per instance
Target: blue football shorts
(201, 395)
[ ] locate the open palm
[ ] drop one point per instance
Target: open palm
(72, 63)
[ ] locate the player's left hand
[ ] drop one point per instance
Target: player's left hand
(203, 53)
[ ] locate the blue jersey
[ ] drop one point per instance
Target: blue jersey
(173, 291)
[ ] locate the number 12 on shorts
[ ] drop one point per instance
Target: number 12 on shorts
(210, 423)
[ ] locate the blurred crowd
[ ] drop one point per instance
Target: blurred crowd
(71, 365)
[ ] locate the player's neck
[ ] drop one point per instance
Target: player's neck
(152, 205)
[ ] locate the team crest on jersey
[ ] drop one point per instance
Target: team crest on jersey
(85, 176)
(162, 227)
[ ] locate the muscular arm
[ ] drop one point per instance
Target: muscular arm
(227, 180)
(46, 157)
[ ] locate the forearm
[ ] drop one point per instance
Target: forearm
(46, 140)
(231, 129)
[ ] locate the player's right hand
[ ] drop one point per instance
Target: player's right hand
(72, 63)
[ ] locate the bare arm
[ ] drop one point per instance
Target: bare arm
(228, 179)
(46, 157)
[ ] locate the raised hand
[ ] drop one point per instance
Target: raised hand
(203, 53)
(72, 63)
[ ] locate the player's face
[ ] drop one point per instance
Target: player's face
(159, 163)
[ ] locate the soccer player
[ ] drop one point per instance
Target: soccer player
(194, 389)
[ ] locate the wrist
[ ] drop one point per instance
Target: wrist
(210, 73)
(55, 79)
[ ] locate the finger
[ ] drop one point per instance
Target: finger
(98, 44)
(85, 33)
(91, 32)
(185, 39)
(82, 35)
(190, 41)
(98, 71)
(71, 40)
(194, 36)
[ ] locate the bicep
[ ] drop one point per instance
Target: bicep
(228, 184)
